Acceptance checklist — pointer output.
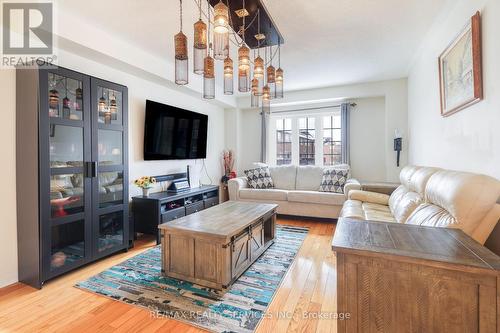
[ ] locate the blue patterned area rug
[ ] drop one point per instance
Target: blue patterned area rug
(240, 308)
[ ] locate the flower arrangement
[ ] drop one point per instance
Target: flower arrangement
(228, 165)
(145, 182)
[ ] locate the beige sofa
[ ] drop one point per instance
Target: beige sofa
(296, 192)
(433, 197)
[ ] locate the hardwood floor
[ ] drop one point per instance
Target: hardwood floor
(307, 293)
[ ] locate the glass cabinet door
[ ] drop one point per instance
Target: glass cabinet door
(66, 138)
(109, 150)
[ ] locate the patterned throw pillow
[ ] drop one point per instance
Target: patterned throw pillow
(334, 180)
(259, 178)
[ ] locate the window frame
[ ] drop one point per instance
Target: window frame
(332, 142)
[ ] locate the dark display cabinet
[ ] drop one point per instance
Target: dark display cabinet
(72, 171)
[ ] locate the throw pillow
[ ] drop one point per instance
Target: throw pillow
(334, 180)
(259, 178)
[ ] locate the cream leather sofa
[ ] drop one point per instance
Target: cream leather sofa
(433, 197)
(296, 192)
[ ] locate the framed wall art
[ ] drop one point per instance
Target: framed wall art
(460, 70)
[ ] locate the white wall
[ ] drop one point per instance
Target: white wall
(8, 234)
(470, 139)
(393, 93)
(368, 134)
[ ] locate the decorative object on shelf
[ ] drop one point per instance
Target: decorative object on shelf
(58, 259)
(79, 97)
(53, 103)
(200, 44)
(221, 31)
(181, 54)
(145, 183)
(60, 203)
(228, 164)
(112, 110)
(101, 105)
(228, 76)
(228, 29)
(460, 70)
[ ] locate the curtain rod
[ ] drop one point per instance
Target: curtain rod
(312, 109)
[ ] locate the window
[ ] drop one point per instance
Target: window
(332, 145)
(283, 141)
(307, 140)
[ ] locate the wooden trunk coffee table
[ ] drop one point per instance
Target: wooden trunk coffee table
(214, 247)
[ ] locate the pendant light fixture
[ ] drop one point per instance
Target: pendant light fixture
(209, 68)
(266, 91)
(279, 75)
(181, 55)
(271, 75)
(254, 97)
(221, 31)
(228, 76)
(200, 44)
(243, 62)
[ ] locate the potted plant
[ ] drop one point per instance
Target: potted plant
(145, 183)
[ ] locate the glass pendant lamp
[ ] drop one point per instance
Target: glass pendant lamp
(209, 68)
(279, 83)
(254, 98)
(200, 44)
(279, 75)
(258, 68)
(243, 68)
(271, 81)
(181, 55)
(221, 31)
(209, 78)
(228, 76)
(266, 93)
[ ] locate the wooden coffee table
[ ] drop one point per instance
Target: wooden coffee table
(395, 277)
(214, 247)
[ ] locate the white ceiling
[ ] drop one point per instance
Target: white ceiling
(327, 42)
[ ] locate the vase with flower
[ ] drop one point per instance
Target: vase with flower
(145, 183)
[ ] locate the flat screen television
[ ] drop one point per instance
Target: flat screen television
(172, 133)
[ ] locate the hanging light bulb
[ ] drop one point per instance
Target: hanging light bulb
(228, 76)
(221, 31)
(243, 68)
(266, 93)
(181, 55)
(200, 44)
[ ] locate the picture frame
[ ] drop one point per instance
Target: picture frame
(460, 70)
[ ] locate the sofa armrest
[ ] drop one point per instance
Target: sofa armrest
(351, 184)
(234, 186)
(371, 197)
(379, 187)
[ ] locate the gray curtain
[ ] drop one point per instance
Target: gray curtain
(263, 136)
(345, 118)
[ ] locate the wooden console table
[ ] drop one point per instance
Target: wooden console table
(215, 246)
(402, 278)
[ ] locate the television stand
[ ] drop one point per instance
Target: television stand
(163, 207)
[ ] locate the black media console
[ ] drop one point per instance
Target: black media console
(163, 207)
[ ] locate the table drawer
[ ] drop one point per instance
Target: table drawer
(173, 214)
(210, 202)
(194, 207)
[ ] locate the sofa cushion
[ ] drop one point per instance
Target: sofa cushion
(406, 173)
(419, 179)
(284, 176)
(396, 196)
(375, 215)
(259, 178)
(269, 194)
(366, 196)
(309, 178)
(432, 216)
(406, 206)
(378, 207)
(334, 180)
(467, 197)
(315, 197)
(353, 209)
